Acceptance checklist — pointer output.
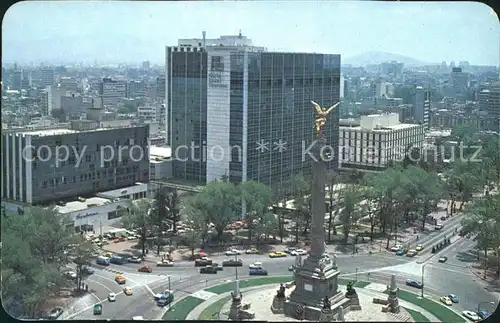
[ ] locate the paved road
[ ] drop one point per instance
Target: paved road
(451, 277)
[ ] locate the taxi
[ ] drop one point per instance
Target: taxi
(446, 300)
(120, 279)
(252, 251)
(419, 247)
(278, 254)
(164, 263)
(128, 291)
(108, 254)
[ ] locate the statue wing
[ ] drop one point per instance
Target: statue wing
(317, 107)
(332, 107)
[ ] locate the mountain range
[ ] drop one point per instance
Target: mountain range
(375, 57)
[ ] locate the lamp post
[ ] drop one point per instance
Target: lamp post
(236, 267)
(480, 303)
(170, 289)
(422, 290)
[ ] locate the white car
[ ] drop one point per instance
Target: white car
(471, 315)
(71, 274)
(255, 265)
(111, 297)
(233, 252)
(396, 248)
(298, 252)
(161, 295)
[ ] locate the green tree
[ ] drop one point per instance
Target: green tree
(81, 252)
(197, 218)
(301, 193)
(349, 213)
(139, 216)
(258, 198)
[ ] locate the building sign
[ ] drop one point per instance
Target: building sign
(85, 215)
(215, 80)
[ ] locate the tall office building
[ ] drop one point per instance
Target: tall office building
(248, 109)
(16, 80)
(422, 106)
(48, 77)
(32, 175)
(494, 107)
(160, 88)
(112, 91)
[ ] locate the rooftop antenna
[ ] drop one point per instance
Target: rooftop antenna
(204, 33)
(239, 35)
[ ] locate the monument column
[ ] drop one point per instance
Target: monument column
(318, 209)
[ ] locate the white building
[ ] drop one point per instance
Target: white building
(373, 141)
(160, 162)
(112, 91)
(48, 77)
(152, 112)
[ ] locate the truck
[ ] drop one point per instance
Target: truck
(103, 261)
(117, 260)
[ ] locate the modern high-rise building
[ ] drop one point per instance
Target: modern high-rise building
(421, 106)
(48, 77)
(494, 106)
(16, 80)
(160, 88)
(112, 91)
(46, 166)
(246, 112)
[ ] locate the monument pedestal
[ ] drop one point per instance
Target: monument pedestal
(326, 315)
(278, 306)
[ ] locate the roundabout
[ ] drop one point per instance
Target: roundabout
(212, 303)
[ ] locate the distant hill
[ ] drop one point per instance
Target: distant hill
(374, 57)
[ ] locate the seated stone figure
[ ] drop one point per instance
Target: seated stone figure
(350, 288)
(327, 305)
(280, 293)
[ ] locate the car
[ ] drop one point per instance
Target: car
(202, 262)
(137, 318)
(233, 252)
(453, 298)
(97, 309)
(71, 274)
(419, 247)
(400, 252)
(442, 259)
(291, 268)
(256, 264)
(55, 313)
(471, 315)
(135, 260)
(232, 263)
(414, 283)
(107, 255)
(411, 253)
(257, 272)
(279, 254)
(132, 237)
(128, 291)
(396, 248)
(483, 314)
(289, 250)
(298, 252)
(161, 295)
(111, 297)
(164, 263)
(439, 226)
(120, 279)
(445, 300)
(88, 270)
(145, 269)
(252, 251)
(208, 270)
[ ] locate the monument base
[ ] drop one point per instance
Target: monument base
(278, 306)
(326, 316)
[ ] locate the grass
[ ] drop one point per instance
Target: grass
(417, 316)
(182, 308)
(212, 311)
(444, 314)
(227, 287)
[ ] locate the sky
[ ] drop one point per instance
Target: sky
(114, 31)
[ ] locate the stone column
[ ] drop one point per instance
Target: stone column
(318, 208)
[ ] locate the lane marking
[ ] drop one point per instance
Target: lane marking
(149, 290)
(98, 299)
(98, 283)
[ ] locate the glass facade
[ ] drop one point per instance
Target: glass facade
(188, 112)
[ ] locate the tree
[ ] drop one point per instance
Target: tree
(34, 250)
(258, 198)
(462, 179)
(139, 216)
(349, 213)
(81, 253)
(332, 185)
(197, 218)
(220, 202)
(173, 205)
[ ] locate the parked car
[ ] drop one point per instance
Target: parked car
(97, 309)
(471, 316)
(135, 260)
(55, 313)
(483, 314)
(208, 270)
(414, 283)
(232, 263)
(145, 269)
(257, 272)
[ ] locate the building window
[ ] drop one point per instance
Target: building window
(217, 64)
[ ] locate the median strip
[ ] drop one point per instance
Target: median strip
(182, 308)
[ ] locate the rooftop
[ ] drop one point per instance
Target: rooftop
(82, 204)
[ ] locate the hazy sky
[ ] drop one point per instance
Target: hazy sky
(135, 31)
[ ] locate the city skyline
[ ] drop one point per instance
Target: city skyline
(436, 32)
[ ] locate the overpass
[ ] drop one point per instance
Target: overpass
(180, 187)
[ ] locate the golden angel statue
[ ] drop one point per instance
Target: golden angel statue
(321, 115)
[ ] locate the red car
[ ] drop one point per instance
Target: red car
(146, 269)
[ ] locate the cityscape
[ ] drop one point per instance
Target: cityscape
(277, 164)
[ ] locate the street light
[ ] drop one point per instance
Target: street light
(170, 290)
(480, 303)
(236, 259)
(422, 290)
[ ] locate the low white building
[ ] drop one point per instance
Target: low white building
(370, 143)
(160, 162)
